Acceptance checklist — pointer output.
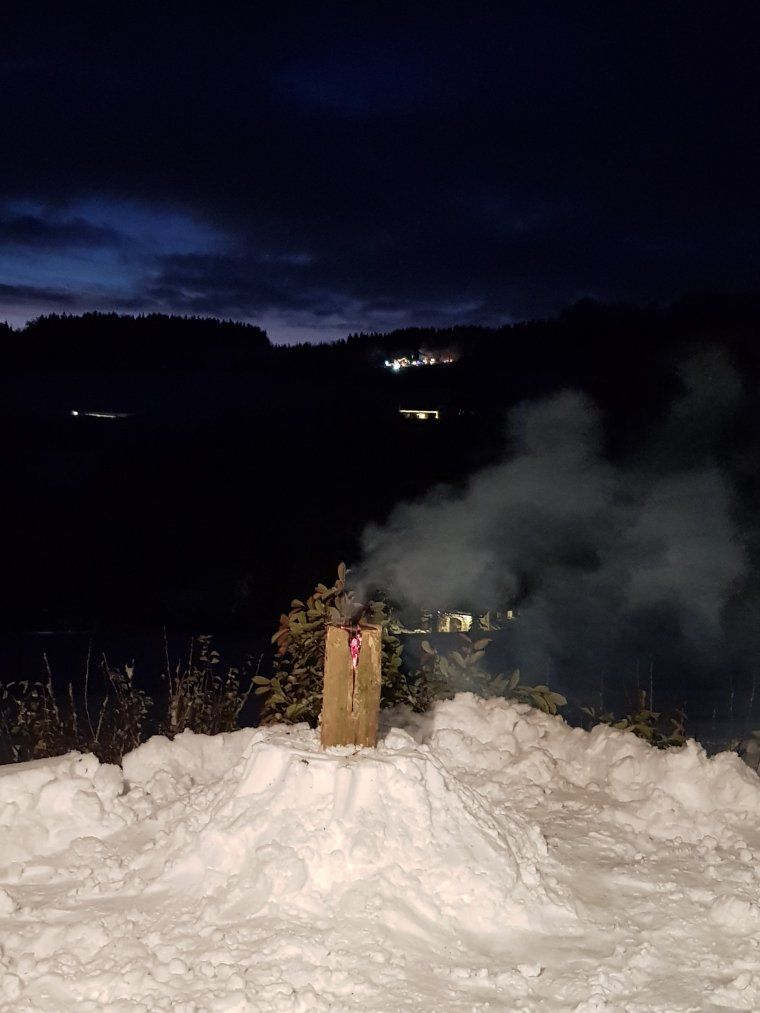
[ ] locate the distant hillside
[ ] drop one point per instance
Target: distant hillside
(587, 337)
(245, 471)
(118, 341)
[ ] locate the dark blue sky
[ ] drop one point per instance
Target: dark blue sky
(330, 168)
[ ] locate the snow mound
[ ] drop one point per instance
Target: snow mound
(668, 794)
(174, 767)
(387, 833)
(46, 804)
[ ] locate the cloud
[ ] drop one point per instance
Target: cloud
(20, 303)
(33, 231)
(500, 160)
(92, 253)
(33, 295)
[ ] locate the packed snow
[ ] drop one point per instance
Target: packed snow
(485, 856)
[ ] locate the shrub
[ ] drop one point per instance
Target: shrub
(121, 716)
(461, 672)
(200, 697)
(660, 729)
(294, 691)
(33, 724)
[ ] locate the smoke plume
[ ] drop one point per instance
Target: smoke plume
(605, 562)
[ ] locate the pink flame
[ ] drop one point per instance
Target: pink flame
(355, 645)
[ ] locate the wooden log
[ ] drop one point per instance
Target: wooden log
(337, 696)
(351, 697)
(366, 699)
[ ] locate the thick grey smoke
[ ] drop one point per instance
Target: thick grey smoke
(598, 558)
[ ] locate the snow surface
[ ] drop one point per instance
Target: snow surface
(484, 857)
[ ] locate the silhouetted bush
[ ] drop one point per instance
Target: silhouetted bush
(36, 722)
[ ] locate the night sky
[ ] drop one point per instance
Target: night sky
(331, 168)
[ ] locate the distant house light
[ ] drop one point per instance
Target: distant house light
(101, 415)
(454, 622)
(420, 413)
(422, 359)
(438, 621)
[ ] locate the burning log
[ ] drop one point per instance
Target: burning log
(351, 699)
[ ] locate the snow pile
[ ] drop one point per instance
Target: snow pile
(44, 805)
(387, 834)
(672, 794)
(485, 855)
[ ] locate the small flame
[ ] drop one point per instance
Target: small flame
(354, 646)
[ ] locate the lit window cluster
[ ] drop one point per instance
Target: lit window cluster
(420, 413)
(423, 359)
(455, 622)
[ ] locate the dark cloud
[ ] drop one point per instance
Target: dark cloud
(32, 231)
(376, 165)
(32, 295)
